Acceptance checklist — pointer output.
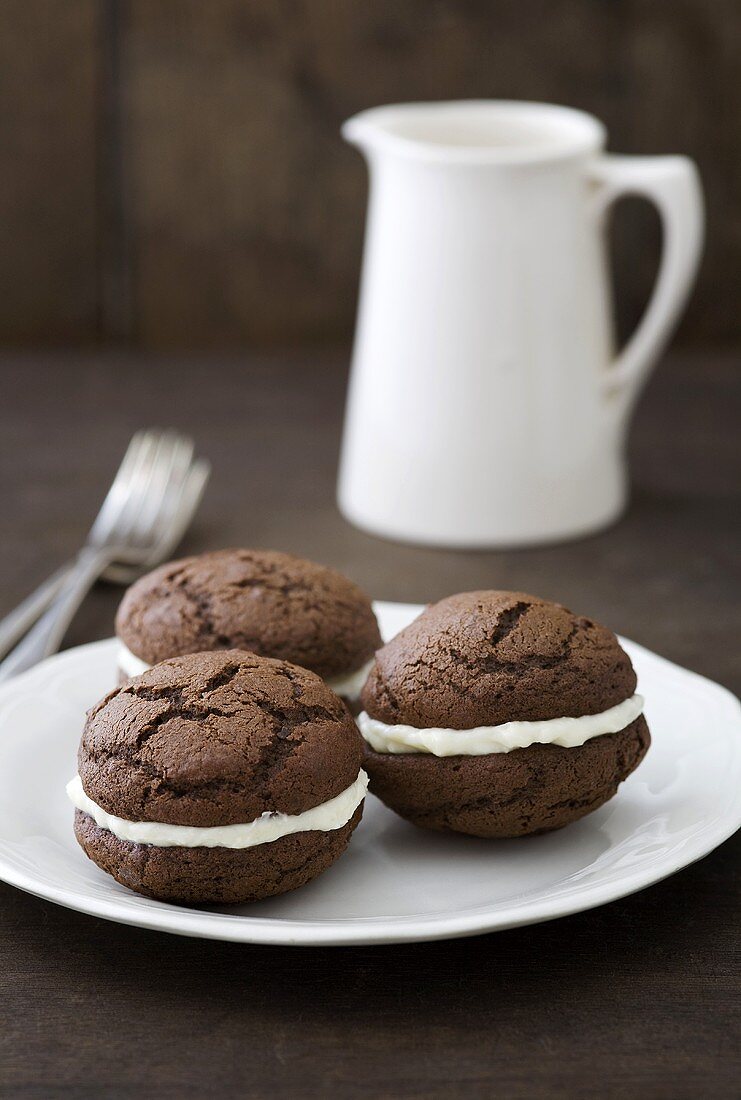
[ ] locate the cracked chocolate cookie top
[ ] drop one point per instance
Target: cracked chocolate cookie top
(218, 739)
(260, 600)
(484, 658)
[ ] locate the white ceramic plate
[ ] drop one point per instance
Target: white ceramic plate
(395, 882)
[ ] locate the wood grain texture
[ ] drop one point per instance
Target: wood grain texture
(247, 210)
(635, 999)
(176, 168)
(48, 181)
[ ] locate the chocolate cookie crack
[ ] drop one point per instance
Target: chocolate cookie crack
(298, 714)
(286, 588)
(492, 663)
(176, 705)
(221, 679)
(274, 754)
(508, 620)
(204, 612)
(287, 672)
(176, 695)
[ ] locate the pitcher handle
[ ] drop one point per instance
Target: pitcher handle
(673, 185)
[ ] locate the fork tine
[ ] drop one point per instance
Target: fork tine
(144, 491)
(174, 490)
(169, 466)
(183, 509)
(118, 491)
(131, 494)
(145, 516)
(178, 509)
(172, 485)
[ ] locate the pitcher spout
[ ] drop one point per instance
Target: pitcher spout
(362, 130)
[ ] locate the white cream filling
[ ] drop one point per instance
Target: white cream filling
(129, 663)
(348, 685)
(263, 830)
(567, 732)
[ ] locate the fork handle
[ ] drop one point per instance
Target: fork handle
(22, 618)
(46, 636)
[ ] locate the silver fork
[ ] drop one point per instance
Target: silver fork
(19, 621)
(147, 509)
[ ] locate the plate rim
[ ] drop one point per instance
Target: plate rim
(163, 917)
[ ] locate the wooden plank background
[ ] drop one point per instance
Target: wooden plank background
(173, 176)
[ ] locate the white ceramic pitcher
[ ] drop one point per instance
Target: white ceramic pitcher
(486, 406)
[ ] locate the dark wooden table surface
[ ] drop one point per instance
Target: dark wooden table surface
(636, 999)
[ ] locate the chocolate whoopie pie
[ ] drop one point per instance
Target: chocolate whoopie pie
(499, 714)
(265, 601)
(218, 778)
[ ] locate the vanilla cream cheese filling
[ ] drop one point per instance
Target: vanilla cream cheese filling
(129, 663)
(348, 685)
(567, 732)
(351, 684)
(263, 830)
